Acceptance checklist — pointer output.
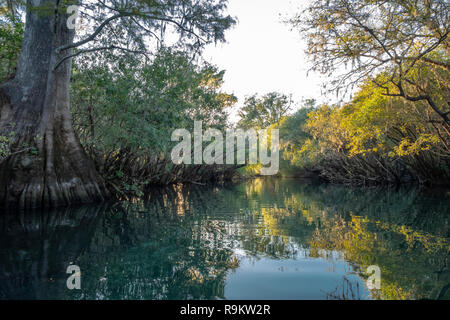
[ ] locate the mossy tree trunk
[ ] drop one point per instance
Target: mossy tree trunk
(48, 166)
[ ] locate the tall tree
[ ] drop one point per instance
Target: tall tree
(407, 40)
(47, 165)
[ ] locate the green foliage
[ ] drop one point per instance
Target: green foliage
(375, 138)
(295, 138)
(125, 110)
(373, 122)
(11, 34)
(5, 143)
(261, 112)
(135, 106)
(407, 41)
(396, 128)
(139, 26)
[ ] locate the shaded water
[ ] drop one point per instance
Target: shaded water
(261, 239)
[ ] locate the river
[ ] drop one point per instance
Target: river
(258, 239)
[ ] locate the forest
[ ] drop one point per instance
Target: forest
(86, 113)
(222, 150)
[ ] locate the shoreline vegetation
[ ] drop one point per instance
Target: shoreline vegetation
(393, 129)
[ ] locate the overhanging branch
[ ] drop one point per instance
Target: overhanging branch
(97, 49)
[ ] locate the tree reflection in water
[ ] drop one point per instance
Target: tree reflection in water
(183, 242)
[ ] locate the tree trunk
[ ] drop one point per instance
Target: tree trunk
(48, 166)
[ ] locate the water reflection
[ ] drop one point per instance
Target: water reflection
(267, 239)
(37, 247)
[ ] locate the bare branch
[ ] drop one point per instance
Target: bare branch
(79, 52)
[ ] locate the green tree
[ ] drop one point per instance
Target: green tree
(35, 104)
(11, 34)
(376, 138)
(295, 139)
(261, 112)
(124, 111)
(401, 38)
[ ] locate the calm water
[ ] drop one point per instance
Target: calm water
(261, 239)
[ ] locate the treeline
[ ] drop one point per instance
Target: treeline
(125, 110)
(374, 139)
(394, 56)
(396, 128)
(125, 107)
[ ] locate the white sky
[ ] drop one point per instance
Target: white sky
(262, 54)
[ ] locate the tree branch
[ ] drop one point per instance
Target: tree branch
(95, 33)
(96, 49)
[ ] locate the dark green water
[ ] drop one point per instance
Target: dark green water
(261, 239)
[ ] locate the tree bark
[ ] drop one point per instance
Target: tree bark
(35, 106)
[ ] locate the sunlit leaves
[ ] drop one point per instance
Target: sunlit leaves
(352, 41)
(261, 112)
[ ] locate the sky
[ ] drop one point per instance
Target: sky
(262, 54)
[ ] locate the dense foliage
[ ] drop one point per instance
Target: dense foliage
(126, 101)
(395, 129)
(125, 112)
(372, 139)
(133, 83)
(379, 139)
(11, 32)
(261, 112)
(406, 39)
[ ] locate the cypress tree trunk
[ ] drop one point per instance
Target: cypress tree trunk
(35, 106)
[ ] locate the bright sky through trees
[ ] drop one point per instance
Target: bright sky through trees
(262, 54)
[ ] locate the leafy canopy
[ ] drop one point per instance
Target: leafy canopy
(261, 112)
(354, 40)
